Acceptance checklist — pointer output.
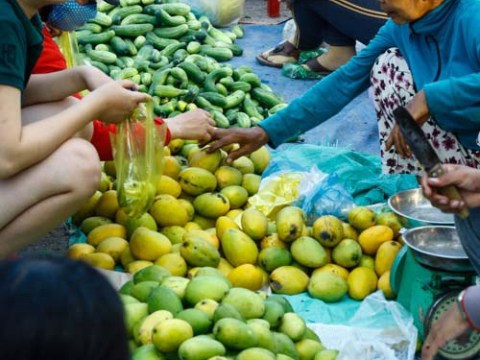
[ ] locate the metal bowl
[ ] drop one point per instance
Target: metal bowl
(416, 210)
(438, 247)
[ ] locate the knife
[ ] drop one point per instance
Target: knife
(424, 152)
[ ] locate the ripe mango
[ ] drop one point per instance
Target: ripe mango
(146, 244)
(308, 252)
(87, 209)
(174, 233)
(145, 220)
(234, 334)
(195, 181)
(349, 232)
(223, 223)
(246, 276)
(236, 195)
(199, 252)
(92, 222)
(385, 256)
(391, 220)
(204, 160)
(99, 260)
(166, 185)
(204, 222)
(254, 223)
(169, 334)
(188, 206)
(384, 285)
(290, 223)
(250, 304)
(361, 217)
(113, 246)
(362, 282)
(208, 306)
(174, 263)
(260, 159)
(201, 347)
(76, 251)
(288, 280)
(171, 167)
(168, 211)
(238, 247)
(327, 286)
(137, 265)
(175, 145)
(107, 205)
(177, 284)
(347, 253)
(251, 183)
(328, 230)
(272, 241)
(100, 233)
(370, 239)
(211, 205)
(333, 268)
(244, 165)
(228, 176)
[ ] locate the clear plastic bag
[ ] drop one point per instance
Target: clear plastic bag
(138, 155)
(220, 12)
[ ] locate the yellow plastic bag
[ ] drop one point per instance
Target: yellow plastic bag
(67, 42)
(138, 155)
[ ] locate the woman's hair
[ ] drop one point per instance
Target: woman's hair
(44, 12)
(55, 308)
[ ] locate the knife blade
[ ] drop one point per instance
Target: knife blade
(424, 152)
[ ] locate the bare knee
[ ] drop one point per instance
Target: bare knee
(83, 166)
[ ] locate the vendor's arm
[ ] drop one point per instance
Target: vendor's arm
(453, 323)
(330, 95)
(62, 84)
(467, 181)
(23, 146)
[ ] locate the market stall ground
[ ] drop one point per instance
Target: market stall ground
(261, 33)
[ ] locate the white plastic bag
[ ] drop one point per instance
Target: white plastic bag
(220, 12)
(379, 330)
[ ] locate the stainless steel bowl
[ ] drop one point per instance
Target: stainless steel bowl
(416, 210)
(438, 247)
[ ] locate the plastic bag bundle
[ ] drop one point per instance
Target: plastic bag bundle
(138, 156)
(297, 71)
(67, 42)
(219, 12)
(70, 15)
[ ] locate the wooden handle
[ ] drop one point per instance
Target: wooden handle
(449, 191)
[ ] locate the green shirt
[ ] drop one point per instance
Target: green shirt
(20, 44)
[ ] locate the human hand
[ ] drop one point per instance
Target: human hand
(448, 327)
(114, 101)
(396, 139)
(193, 125)
(467, 181)
(249, 140)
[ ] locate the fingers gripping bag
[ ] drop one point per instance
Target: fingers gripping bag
(137, 148)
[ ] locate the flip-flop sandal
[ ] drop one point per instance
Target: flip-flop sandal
(279, 55)
(314, 65)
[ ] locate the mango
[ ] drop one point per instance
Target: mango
(273, 314)
(290, 223)
(284, 345)
(145, 220)
(367, 261)
(228, 176)
(385, 257)
(204, 222)
(293, 326)
(164, 298)
(272, 241)
(196, 181)
(198, 320)
(328, 230)
(87, 209)
(113, 246)
(205, 235)
(92, 222)
(274, 257)
(199, 252)
(391, 220)
(177, 284)
(308, 252)
(246, 276)
(236, 195)
(251, 183)
(226, 310)
(361, 217)
(100, 233)
(201, 347)
(147, 352)
(151, 273)
(208, 306)
(371, 238)
(326, 354)
(244, 165)
(146, 244)
(168, 211)
(208, 161)
(105, 182)
(137, 265)
(188, 206)
(175, 145)
(171, 167)
(223, 223)
(134, 312)
(76, 251)
(234, 334)
(166, 185)
(288, 280)
(362, 282)
(107, 205)
(126, 257)
(168, 335)
(256, 353)
(349, 232)
(347, 253)
(174, 233)
(99, 260)
(247, 302)
(238, 247)
(327, 286)
(224, 266)
(307, 348)
(145, 331)
(333, 268)
(211, 205)
(384, 285)
(254, 223)
(205, 287)
(174, 263)
(109, 168)
(260, 159)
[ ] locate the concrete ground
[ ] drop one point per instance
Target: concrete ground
(56, 242)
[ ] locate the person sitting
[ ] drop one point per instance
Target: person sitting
(339, 24)
(466, 313)
(425, 58)
(56, 308)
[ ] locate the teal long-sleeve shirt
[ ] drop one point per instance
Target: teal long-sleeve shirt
(442, 50)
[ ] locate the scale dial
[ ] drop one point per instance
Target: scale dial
(466, 346)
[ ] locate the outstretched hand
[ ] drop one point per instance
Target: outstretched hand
(467, 181)
(249, 140)
(193, 125)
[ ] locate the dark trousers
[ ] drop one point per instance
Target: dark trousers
(336, 22)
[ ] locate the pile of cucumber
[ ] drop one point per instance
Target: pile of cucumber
(177, 58)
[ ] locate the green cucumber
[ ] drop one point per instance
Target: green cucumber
(101, 38)
(132, 30)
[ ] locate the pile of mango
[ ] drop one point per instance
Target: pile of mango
(171, 317)
(201, 218)
(177, 58)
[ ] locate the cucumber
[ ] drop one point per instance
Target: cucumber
(103, 6)
(101, 38)
(238, 31)
(139, 19)
(169, 91)
(176, 8)
(221, 89)
(92, 27)
(219, 35)
(105, 57)
(250, 109)
(243, 120)
(214, 98)
(168, 20)
(158, 42)
(132, 30)
(180, 75)
(119, 46)
(119, 13)
(132, 49)
(139, 41)
(193, 47)
(216, 75)
(235, 99)
(145, 52)
(128, 73)
(172, 48)
(180, 55)
(193, 72)
(219, 54)
(265, 97)
(221, 120)
(241, 85)
(101, 66)
(103, 47)
(206, 105)
(173, 32)
(251, 78)
(101, 19)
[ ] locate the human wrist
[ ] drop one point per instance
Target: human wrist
(418, 107)
(260, 134)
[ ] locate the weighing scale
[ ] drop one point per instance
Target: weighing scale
(427, 293)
